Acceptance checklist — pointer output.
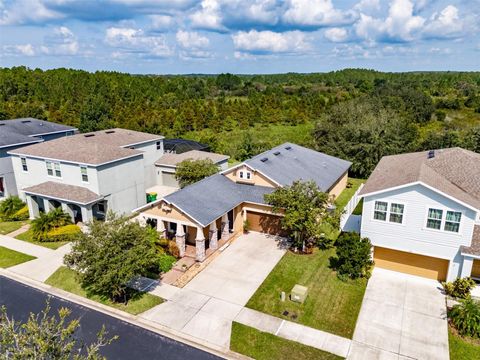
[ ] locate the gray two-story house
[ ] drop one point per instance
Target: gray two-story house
(88, 174)
(16, 133)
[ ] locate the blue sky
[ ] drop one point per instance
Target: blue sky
(240, 36)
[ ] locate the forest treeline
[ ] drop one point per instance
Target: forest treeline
(359, 115)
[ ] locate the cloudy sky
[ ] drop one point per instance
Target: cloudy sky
(240, 36)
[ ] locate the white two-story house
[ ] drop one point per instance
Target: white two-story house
(421, 212)
(88, 174)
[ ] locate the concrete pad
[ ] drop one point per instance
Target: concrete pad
(258, 320)
(165, 291)
(24, 247)
(210, 328)
(386, 287)
(170, 314)
(425, 297)
(362, 352)
(221, 308)
(424, 337)
(190, 298)
(302, 334)
(336, 345)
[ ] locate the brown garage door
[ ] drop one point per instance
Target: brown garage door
(476, 269)
(414, 264)
(269, 224)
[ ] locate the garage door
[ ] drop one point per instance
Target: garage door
(269, 224)
(169, 179)
(476, 269)
(419, 265)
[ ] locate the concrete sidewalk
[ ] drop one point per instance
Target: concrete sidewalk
(296, 332)
(24, 246)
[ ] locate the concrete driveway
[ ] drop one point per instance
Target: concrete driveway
(402, 317)
(206, 306)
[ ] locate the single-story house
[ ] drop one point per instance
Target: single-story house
(204, 215)
(421, 212)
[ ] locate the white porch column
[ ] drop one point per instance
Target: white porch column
(142, 221)
(200, 244)
(213, 234)
(225, 227)
(46, 205)
(467, 267)
(180, 239)
(244, 215)
(67, 209)
(32, 208)
(87, 214)
(161, 228)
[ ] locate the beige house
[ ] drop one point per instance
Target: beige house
(203, 216)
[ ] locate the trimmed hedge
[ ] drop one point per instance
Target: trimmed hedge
(63, 233)
(21, 214)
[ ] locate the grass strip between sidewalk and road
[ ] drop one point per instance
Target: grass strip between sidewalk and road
(264, 346)
(66, 279)
(11, 257)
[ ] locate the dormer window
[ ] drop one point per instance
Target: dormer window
(245, 174)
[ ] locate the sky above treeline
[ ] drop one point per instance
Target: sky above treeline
(240, 36)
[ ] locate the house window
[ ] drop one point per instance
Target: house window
(49, 168)
(380, 212)
(24, 164)
(159, 145)
(245, 175)
(434, 219)
(452, 221)
(83, 171)
(396, 213)
(249, 175)
(58, 172)
(101, 207)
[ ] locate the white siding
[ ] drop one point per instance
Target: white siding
(150, 155)
(412, 235)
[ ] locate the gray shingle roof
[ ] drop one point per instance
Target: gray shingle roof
(454, 171)
(290, 162)
(22, 131)
(210, 198)
(72, 193)
(473, 249)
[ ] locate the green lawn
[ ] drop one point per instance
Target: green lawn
(27, 236)
(347, 194)
(461, 348)
(10, 257)
(332, 305)
(65, 279)
(9, 226)
(260, 345)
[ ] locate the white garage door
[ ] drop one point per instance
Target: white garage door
(168, 179)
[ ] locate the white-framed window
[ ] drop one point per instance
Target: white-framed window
(84, 173)
(24, 164)
(159, 145)
(49, 168)
(392, 212)
(245, 174)
(380, 212)
(452, 221)
(434, 218)
(58, 172)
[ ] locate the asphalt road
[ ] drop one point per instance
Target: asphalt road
(134, 342)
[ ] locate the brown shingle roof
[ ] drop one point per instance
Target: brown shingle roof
(92, 148)
(174, 159)
(474, 249)
(454, 171)
(72, 193)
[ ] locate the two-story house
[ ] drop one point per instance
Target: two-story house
(421, 212)
(88, 174)
(16, 133)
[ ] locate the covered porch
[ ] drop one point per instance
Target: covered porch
(81, 204)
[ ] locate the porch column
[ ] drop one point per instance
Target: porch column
(200, 244)
(180, 239)
(161, 228)
(32, 208)
(225, 227)
(46, 205)
(213, 234)
(86, 214)
(142, 221)
(67, 209)
(467, 267)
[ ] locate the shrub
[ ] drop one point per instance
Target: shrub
(47, 222)
(9, 207)
(353, 258)
(173, 249)
(166, 262)
(63, 233)
(466, 317)
(460, 288)
(21, 214)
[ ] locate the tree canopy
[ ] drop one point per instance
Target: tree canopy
(191, 171)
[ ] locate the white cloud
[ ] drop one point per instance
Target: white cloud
(336, 34)
(189, 40)
(367, 5)
(162, 22)
(22, 49)
(135, 41)
(63, 42)
(26, 11)
(208, 17)
(447, 23)
(261, 42)
(314, 13)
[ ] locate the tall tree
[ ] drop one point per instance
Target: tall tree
(191, 171)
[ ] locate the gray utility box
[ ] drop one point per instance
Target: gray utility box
(299, 293)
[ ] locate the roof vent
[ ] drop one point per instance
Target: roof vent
(288, 147)
(26, 121)
(264, 159)
(109, 131)
(431, 154)
(276, 153)
(89, 135)
(1, 124)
